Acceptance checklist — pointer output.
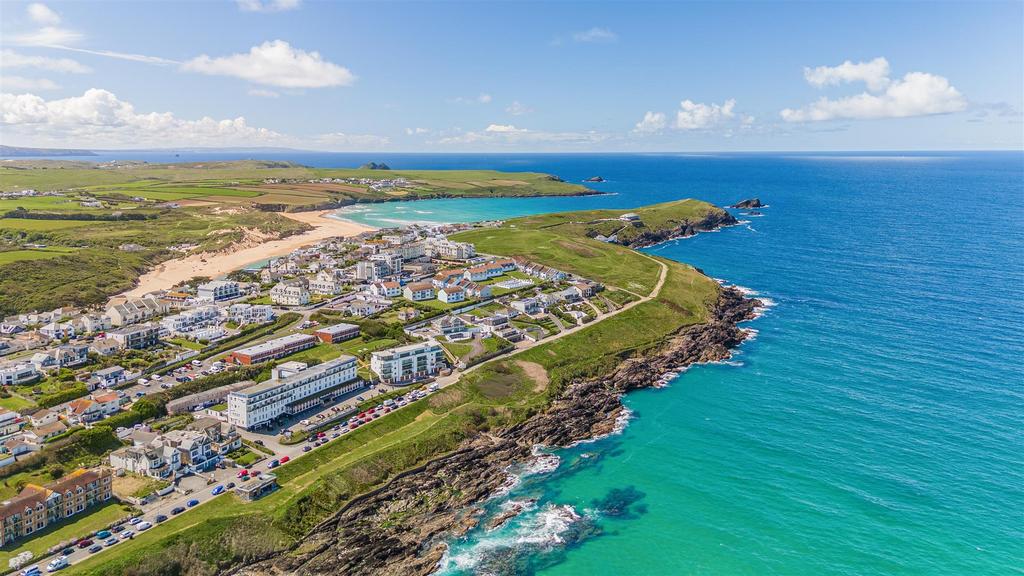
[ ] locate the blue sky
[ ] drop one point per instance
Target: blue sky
(517, 76)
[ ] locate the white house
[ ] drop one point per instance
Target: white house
(386, 289)
(451, 294)
(289, 294)
(418, 291)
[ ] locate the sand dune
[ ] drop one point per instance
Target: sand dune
(216, 264)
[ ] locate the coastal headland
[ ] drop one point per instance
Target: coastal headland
(384, 498)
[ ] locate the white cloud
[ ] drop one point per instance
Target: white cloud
(99, 118)
(12, 59)
(46, 36)
(504, 135)
(874, 73)
(484, 98)
(696, 116)
(518, 109)
(42, 14)
(416, 131)
(267, 5)
(275, 63)
(260, 92)
(338, 140)
(916, 94)
(652, 123)
(595, 35)
(20, 83)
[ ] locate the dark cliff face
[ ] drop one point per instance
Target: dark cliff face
(750, 203)
(712, 221)
(436, 501)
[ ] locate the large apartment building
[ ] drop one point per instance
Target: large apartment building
(218, 290)
(37, 507)
(408, 363)
(445, 249)
(272, 349)
(293, 388)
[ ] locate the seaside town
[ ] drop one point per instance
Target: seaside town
(114, 419)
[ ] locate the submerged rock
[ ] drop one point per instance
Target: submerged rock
(594, 179)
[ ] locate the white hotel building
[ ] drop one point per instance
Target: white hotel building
(408, 363)
(293, 388)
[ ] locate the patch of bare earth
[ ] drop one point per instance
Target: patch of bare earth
(535, 372)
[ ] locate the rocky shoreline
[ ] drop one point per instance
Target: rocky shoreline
(712, 221)
(401, 527)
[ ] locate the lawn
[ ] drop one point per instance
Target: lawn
(33, 225)
(76, 527)
(16, 403)
(579, 255)
(33, 254)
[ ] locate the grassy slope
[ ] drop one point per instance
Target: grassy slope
(98, 268)
(496, 395)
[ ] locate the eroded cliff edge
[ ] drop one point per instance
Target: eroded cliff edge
(400, 528)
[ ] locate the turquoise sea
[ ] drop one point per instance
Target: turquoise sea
(874, 426)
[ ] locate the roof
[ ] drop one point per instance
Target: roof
(416, 286)
(80, 405)
(52, 427)
(391, 284)
(451, 289)
(338, 328)
(108, 397)
(275, 344)
(271, 384)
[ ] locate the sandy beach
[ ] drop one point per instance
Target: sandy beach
(217, 264)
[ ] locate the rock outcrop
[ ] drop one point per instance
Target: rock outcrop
(375, 166)
(749, 203)
(594, 179)
(400, 529)
(712, 221)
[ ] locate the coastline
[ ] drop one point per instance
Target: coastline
(355, 540)
(215, 264)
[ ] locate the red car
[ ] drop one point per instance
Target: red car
(84, 543)
(243, 472)
(284, 459)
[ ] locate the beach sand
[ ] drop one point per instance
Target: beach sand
(217, 264)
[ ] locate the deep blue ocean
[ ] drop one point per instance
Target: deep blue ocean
(874, 425)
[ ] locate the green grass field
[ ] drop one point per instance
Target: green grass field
(78, 526)
(33, 254)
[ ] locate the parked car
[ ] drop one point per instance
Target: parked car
(230, 485)
(135, 521)
(176, 510)
(306, 448)
(144, 526)
(192, 503)
(218, 489)
(103, 534)
(67, 551)
(95, 548)
(57, 564)
(241, 473)
(111, 541)
(274, 464)
(127, 534)
(31, 571)
(84, 543)
(285, 459)
(160, 518)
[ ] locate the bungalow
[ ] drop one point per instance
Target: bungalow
(450, 325)
(70, 355)
(43, 417)
(506, 264)
(451, 294)
(386, 289)
(583, 290)
(527, 306)
(474, 290)
(18, 446)
(445, 277)
(10, 422)
(408, 314)
(40, 434)
(418, 291)
(476, 274)
(83, 410)
(109, 377)
(58, 330)
(105, 346)
(109, 402)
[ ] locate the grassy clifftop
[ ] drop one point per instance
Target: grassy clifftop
(498, 394)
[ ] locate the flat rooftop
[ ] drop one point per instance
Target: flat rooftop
(274, 344)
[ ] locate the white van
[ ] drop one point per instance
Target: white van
(57, 564)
